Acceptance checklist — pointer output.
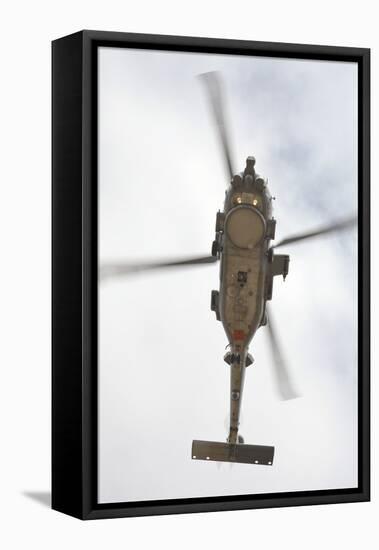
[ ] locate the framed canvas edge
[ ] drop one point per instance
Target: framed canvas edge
(78, 496)
(66, 422)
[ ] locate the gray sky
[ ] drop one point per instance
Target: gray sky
(162, 378)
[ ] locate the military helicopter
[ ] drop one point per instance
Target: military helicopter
(248, 265)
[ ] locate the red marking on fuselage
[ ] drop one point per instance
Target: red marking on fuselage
(239, 335)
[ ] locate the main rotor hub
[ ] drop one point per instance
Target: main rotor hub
(250, 163)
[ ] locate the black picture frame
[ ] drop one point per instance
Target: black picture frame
(74, 274)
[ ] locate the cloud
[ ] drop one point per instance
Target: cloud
(161, 178)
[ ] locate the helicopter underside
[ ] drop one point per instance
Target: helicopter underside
(242, 294)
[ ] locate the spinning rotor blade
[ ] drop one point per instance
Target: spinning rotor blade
(122, 269)
(323, 230)
(283, 378)
(213, 85)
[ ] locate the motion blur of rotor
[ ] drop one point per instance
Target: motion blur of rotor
(212, 82)
(244, 231)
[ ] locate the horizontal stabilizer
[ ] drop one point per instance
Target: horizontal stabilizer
(230, 452)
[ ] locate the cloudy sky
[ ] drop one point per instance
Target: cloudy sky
(162, 379)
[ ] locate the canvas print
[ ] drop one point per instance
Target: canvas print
(227, 290)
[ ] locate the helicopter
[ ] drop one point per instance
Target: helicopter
(249, 263)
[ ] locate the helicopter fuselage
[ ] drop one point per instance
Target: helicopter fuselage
(247, 267)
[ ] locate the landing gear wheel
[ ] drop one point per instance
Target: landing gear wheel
(215, 249)
(241, 439)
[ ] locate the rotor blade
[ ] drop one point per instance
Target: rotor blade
(121, 269)
(282, 375)
(323, 230)
(213, 84)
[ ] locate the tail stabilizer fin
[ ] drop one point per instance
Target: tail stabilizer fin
(230, 452)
